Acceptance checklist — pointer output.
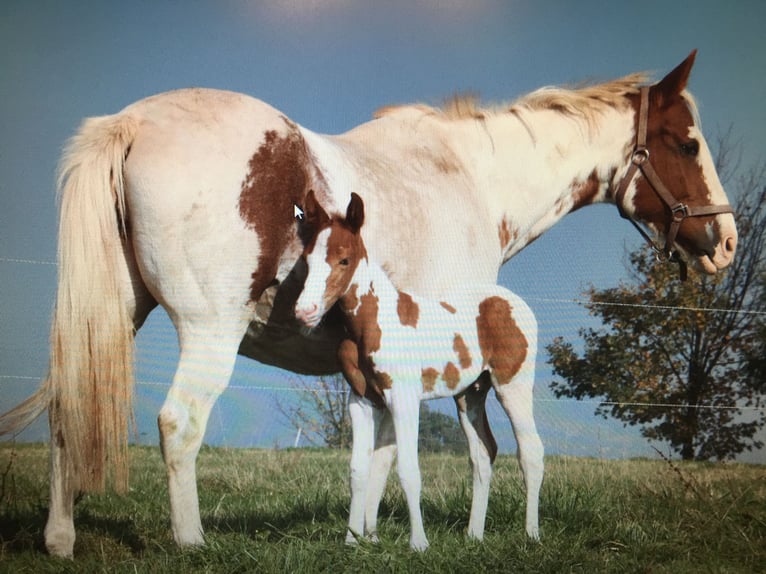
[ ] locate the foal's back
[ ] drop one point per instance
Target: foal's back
(445, 345)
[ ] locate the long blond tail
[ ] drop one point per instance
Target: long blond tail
(91, 366)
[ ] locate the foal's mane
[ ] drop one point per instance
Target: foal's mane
(585, 102)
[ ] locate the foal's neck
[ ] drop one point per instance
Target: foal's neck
(370, 279)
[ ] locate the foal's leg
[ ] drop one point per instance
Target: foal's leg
(482, 449)
(363, 431)
(382, 459)
(516, 398)
(208, 353)
(59, 530)
(405, 409)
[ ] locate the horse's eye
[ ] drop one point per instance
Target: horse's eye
(690, 148)
(343, 262)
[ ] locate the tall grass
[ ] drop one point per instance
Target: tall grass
(286, 511)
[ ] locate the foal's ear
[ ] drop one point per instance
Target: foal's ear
(316, 216)
(675, 82)
(355, 213)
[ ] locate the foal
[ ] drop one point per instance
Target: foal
(404, 349)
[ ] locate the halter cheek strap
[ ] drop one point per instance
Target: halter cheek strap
(679, 211)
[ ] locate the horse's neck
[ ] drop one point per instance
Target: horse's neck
(528, 170)
(534, 169)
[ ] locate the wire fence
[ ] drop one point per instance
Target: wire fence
(568, 426)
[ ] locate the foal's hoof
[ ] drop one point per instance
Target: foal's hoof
(534, 534)
(419, 545)
(353, 539)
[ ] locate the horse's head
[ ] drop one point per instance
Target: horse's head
(332, 256)
(679, 195)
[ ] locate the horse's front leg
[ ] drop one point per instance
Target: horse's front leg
(382, 460)
(482, 449)
(404, 404)
(363, 430)
(204, 368)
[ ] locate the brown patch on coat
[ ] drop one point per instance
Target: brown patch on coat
(362, 313)
(506, 234)
(448, 307)
(451, 375)
(350, 301)
(584, 192)
(446, 165)
(407, 310)
(463, 355)
(278, 178)
(503, 345)
(383, 380)
(354, 367)
(428, 378)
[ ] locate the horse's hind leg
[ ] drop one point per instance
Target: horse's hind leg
(482, 449)
(516, 399)
(64, 487)
(59, 530)
(208, 354)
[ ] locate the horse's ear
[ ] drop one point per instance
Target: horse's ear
(355, 213)
(675, 82)
(315, 215)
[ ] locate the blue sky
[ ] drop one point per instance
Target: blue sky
(328, 65)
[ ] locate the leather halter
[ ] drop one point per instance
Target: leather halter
(679, 211)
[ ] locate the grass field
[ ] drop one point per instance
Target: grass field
(285, 511)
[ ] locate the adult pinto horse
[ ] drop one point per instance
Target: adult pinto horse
(186, 200)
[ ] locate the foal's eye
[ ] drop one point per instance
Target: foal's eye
(343, 262)
(690, 148)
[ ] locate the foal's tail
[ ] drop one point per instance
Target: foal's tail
(89, 387)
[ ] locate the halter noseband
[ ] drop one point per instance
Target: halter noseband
(639, 161)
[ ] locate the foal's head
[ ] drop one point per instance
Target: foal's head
(332, 255)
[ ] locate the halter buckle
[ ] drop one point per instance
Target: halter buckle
(640, 156)
(679, 212)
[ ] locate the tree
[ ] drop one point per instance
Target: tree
(681, 360)
(440, 432)
(321, 414)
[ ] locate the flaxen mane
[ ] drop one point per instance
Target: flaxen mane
(586, 102)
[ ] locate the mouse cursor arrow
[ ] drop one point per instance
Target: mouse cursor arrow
(297, 213)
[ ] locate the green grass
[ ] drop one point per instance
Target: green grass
(286, 511)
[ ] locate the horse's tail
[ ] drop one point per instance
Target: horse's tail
(91, 365)
(21, 416)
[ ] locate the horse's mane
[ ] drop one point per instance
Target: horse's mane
(585, 102)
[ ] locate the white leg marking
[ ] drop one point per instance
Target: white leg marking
(516, 398)
(405, 409)
(59, 530)
(363, 430)
(382, 460)
(205, 366)
(471, 414)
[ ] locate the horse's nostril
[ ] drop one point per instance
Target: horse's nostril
(730, 244)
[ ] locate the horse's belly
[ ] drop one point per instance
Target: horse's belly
(291, 347)
(277, 338)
